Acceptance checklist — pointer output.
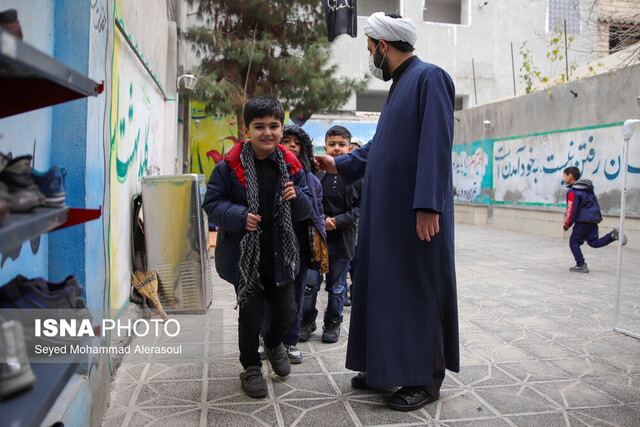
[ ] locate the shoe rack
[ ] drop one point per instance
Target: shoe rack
(30, 79)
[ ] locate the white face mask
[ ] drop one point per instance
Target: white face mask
(378, 73)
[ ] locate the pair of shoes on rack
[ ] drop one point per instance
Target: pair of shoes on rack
(28, 188)
(29, 299)
(24, 293)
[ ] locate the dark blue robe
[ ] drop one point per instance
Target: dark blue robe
(400, 279)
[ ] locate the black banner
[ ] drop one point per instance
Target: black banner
(342, 17)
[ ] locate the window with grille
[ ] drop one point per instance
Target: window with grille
(564, 10)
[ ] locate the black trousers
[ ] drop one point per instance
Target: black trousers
(282, 303)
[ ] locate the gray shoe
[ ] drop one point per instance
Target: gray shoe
(306, 329)
(615, 234)
(253, 382)
(579, 268)
(15, 371)
(279, 360)
(294, 354)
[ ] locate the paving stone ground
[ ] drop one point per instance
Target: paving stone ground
(537, 342)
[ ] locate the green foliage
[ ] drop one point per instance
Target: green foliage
(531, 74)
(277, 48)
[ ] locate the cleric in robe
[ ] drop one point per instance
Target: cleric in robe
(404, 316)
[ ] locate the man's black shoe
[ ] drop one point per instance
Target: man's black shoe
(410, 398)
(360, 381)
(331, 331)
(306, 329)
(279, 360)
(253, 382)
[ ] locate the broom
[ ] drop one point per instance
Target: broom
(146, 282)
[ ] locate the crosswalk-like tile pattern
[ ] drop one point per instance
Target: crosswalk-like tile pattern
(537, 349)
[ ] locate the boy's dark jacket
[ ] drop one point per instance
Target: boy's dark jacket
(317, 218)
(346, 221)
(226, 206)
(582, 205)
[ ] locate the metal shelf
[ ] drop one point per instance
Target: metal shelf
(30, 79)
(30, 407)
(20, 227)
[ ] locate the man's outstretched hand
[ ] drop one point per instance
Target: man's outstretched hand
(326, 163)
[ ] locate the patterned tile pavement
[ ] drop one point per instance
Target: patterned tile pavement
(537, 349)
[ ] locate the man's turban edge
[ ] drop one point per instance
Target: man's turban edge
(382, 27)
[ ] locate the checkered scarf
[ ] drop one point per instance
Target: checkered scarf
(250, 243)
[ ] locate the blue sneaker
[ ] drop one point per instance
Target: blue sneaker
(51, 184)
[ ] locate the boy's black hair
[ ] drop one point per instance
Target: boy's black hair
(338, 131)
(262, 106)
(573, 171)
(400, 45)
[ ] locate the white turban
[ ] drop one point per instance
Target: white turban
(382, 27)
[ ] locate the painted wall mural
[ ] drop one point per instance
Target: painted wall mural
(529, 169)
(211, 136)
(473, 171)
(136, 141)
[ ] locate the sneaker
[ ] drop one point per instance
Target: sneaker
(347, 298)
(331, 331)
(39, 293)
(25, 199)
(410, 398)
(17, 172)
(279, 360)
(360, 381)
(615, 234)
(15, 371)
(24, 192)
(253, 383)
(579, 268)
(51, 184)
(306, 329)
(23, 295)
(294, 354)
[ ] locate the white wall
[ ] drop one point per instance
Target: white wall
(486, 39)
